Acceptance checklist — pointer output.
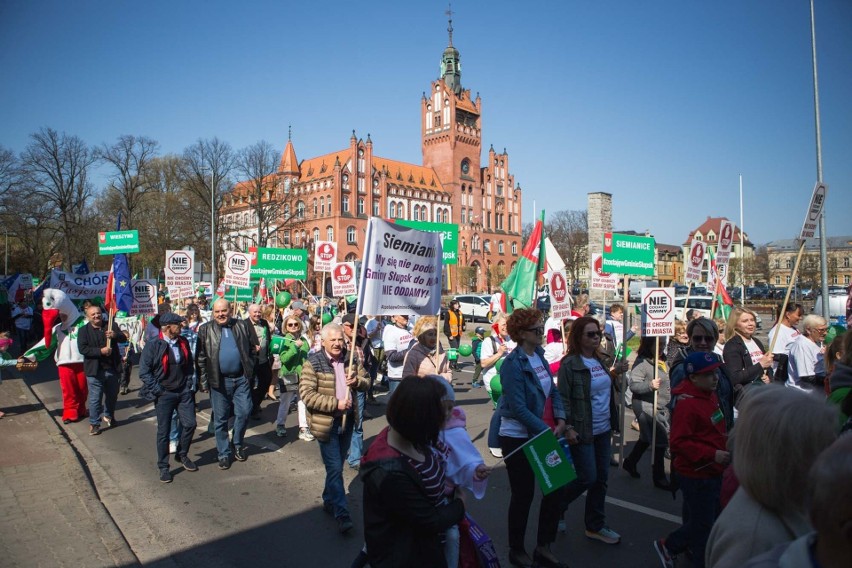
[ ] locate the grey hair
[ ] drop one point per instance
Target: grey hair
(708, 325)
(780, 433)
(811, 321)
(329, 328)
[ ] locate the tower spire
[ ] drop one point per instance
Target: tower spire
(449, 14)
(450, 60)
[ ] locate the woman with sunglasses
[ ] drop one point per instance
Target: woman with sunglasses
(294, 354)
(587, 383)
(529, 405)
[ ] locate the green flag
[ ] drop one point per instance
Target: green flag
(552, 468)
(521, 284)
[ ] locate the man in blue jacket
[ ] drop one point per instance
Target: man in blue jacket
(166, 369)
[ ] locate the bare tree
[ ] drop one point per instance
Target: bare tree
(258, 165)
(569, 233)
(10, 172)
(207, 168)
(130, 157)
(56, 166)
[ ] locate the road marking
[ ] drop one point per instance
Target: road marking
(645, 510)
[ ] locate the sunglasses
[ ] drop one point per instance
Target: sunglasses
(539, 329)
(294, 324)
(702, 338)
(593, 334)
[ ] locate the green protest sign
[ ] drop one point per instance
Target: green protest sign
(117, 242)
(551, 466)
(449, 236)
(279, 263)
(628, 254)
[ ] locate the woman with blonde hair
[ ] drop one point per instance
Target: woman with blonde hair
(424, 357)
(746, 359)
(779, 434)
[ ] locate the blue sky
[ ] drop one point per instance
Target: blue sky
(661, 103)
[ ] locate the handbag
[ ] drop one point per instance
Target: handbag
(290, 379)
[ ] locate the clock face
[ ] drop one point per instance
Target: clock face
(465, 167)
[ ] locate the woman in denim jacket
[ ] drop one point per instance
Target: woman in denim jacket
(529, 405)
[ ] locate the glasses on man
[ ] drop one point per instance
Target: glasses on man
(593, 334)
(821, 330)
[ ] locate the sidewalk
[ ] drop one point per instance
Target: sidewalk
(50, 514)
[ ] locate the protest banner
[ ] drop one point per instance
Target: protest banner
(179, 268)
(628, 254)
(600, 279)
(560, 303)
(809, 227)
(80, 286)
(117, 242)
(237, 267)
(449, 237)
(658, 313)
(343, 282)
(401, 270)
(325, 256)
(181, 292)
(693, 264)
(144, 298)
(279, 263)
(726, 242)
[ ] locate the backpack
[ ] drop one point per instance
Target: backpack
(477, 349)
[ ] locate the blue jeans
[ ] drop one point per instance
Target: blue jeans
(174, 433)
(592, 464)
(231, 391)
(700, 509)
(356, 448)
(169, 403)
(494, 429)
(392, 384)
(333, 453)
(103, 392)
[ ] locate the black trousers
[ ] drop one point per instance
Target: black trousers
(263, 378)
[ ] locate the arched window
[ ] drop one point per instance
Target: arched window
(322, 205)
(245, 218)
(416, 212)
(316, 235)
(300, 210)
(346, 204)
(500, 248)
(376, 208)
(286, 211)
(392, 210)
(514, 249)
(329, 233)
(316, 209)
(350, 235)
(360, 206)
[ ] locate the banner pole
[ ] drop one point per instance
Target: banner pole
(623, 417)
(656, 394)
(322, 297)
(686, 303)
(521, 447)
(351, 353)
(787, 295)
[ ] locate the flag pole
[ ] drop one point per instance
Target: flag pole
(686, 302)
(656, 395)
(521, 447)
(623, 417)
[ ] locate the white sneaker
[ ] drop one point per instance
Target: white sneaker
(172, 447)
(496, 452)
(606, 535)
(305, 434)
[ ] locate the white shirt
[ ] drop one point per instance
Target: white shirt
(512, 428)
(786, 336)
(600, 395)
(806, 359)
(488, 350)
(396, 338)
(753, 350)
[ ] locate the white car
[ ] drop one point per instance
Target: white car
(701, 304)
(474, 307)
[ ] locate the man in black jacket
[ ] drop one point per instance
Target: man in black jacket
(166, 369)
(102, 365)
(226, 354)
(263, 367)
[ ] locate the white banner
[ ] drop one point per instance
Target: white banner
(726, 241)
(401, 271)
(144, 298)
(180, 265)
(325, 256)
(181, 292)
(560, 301)
(237, 268)
(80, 286)
(694, 261)
(658, 313)
(343, 282)
(600, 279)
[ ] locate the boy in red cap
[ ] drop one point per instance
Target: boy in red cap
(698, 446)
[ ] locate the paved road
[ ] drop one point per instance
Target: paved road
(267, 511)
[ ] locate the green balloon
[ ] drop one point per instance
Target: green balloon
(465, 350)
(496, 388)
(121, 314)
(452, 354)
(326, 318)
(834, 331)
(498, 364)
(282, 300)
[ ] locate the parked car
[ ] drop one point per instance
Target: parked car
(681, 290)
(473, 307)
(735, 292)
(836, 305)
(634, 292)
(700, 303)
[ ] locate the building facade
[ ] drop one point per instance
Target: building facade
(331, 197)
(782, 258)
(741, 249)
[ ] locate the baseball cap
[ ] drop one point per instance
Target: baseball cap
(479, 330)
(348, 318)
(298, 305)
(171, 318)
(700, 362)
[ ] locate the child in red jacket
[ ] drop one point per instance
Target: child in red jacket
(697, 442)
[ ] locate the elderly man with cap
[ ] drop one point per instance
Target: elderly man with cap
(226, 352)
(166, 369)
(298, 309)
(703, 335)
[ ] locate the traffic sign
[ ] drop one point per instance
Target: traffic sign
(117, 242)
(658, 316)
(694, 261)
(343, 280)
(179, 268)
(629, 254)
(325, 256)
(237, 267)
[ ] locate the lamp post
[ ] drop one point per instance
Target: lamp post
(823, 247)
(213, 227)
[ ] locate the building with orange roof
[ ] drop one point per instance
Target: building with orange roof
(331, 197)
(708, 232)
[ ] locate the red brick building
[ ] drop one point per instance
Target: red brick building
(331, 197)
